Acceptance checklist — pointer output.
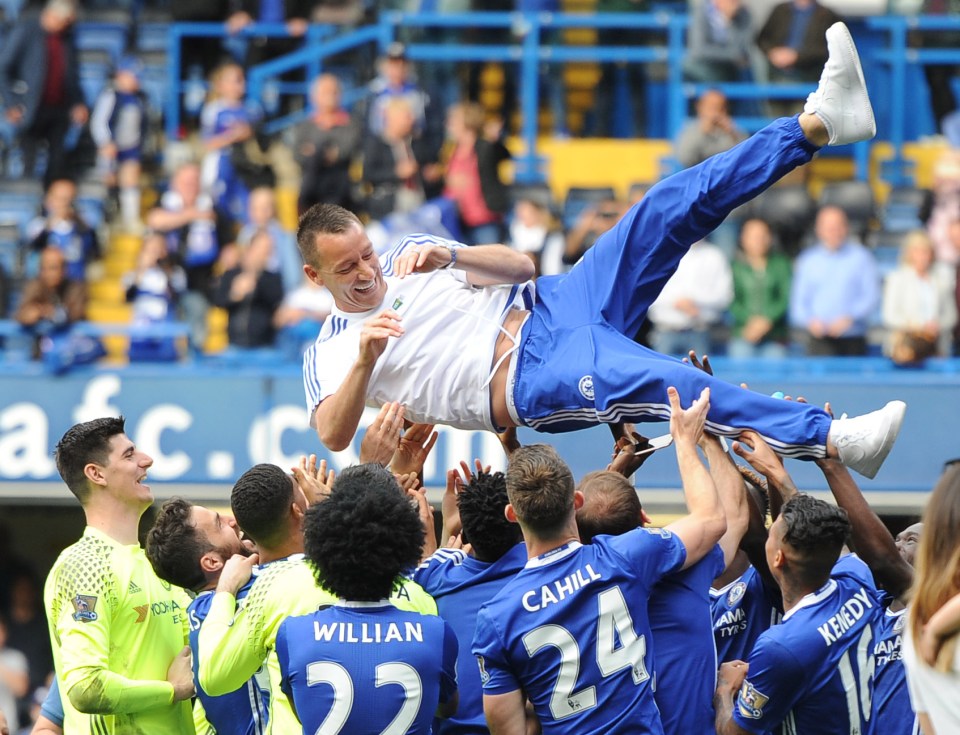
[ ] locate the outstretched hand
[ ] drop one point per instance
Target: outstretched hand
(625, 460)
(315, 481)
(686, 425)
(414, 448)
(700, 364)
(752, 448)
(383, 435)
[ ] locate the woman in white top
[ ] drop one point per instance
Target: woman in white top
(930, 651)
(918, 296)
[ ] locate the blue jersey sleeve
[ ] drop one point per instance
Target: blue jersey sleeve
(448, 673)
(652, 552)
(429, 574)
(851, 565)
(52, 707)
(495, 676)
(283, 659)
(770, 689)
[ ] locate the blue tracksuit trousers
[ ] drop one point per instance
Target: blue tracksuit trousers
(578, 364)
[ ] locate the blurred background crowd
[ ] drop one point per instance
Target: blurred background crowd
(189, 239)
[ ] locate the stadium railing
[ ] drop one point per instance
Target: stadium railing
(532, 48)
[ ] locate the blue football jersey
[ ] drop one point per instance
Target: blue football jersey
(359, 668)
(684, 656)
(572, 630)
(892, 710)
(741, 612)
(814, 672)
(461, 584)
(245, 711)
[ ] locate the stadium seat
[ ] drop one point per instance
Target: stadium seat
(578, 198)
(151, 30)
(853, 197)
(104, 30)
(901, 213)
(96, 66)
(789, 210)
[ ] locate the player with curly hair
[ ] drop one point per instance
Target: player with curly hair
(362, 665)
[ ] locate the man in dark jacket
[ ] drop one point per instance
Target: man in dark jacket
(40, 84)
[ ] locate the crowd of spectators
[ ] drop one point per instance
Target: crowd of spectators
(213, 237)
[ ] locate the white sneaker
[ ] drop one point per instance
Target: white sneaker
(863, 442)
(841, 101)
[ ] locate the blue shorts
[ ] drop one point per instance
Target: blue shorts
(578, 364)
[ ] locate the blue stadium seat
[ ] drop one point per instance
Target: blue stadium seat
(102, 35)
(152, 35)
(96, 66)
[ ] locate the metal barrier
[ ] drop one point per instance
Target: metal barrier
(180, 31)
(898, 56)
(531, 50)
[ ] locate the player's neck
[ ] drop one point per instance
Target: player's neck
(292, 545)
(794, 593)
(120, 522)
(538, 547)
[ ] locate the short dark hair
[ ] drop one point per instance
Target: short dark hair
(174, 546)
(82, 444)
(322, 219)
(540, 487)
(610, 505)
(485, 527)
(817, 530)
(364, 536)
(260, 501)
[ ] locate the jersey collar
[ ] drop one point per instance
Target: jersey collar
(554, 555)
(362, 603)
(812, 599)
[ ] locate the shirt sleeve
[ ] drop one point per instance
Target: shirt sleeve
(495, 674)
(448, 675)
(230, 646)
(851, 565)
(652, 552)
(770, 690)
(52, 707)
(87, 603)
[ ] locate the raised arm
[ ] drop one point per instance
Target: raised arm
(485, 265)
(871, 538)
(337, 416)
(732, 494)
(227, 654)
(702, 528)
(757, 453)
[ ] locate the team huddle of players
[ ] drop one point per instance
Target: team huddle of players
(324, 605)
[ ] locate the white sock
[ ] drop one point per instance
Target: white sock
(130, 204)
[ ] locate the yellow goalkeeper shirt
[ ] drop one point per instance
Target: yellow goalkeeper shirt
(115, 629)
(233, 643)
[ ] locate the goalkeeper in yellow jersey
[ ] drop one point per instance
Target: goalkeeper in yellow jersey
(119, 633)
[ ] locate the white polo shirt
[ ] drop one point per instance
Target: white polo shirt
(440, 368)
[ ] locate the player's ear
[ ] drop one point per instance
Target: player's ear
(211, 562)
(577, 500)
(779, 559)
(510, 513)
(94, 473)
(313, 274)
(644, 518)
